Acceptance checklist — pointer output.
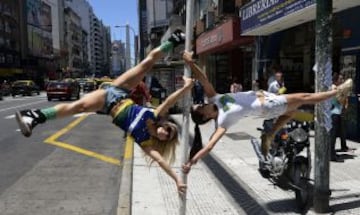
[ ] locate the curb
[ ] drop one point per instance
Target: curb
(125, 190)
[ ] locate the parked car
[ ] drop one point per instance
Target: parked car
(6, 89)
(24, 87)
(89, 86)
(63, 90)
(81, 81)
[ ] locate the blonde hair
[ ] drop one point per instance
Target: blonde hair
(166, 148)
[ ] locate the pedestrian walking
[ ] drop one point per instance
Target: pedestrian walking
(338, 108)
(235, 86)
(277, 86)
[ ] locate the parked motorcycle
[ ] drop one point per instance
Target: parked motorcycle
(288, 163)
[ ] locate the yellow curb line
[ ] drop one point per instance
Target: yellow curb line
(129, 147)
(53, 141)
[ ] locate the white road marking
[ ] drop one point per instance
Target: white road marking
(10, 116)
(83, 114)
(23, 105)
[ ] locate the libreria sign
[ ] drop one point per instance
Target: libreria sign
(262, 12)
(257, 8)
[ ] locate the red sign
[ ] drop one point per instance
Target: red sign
(224, 36)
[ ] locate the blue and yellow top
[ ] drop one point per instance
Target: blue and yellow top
(132, 119)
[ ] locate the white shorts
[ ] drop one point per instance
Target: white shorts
(274, 105)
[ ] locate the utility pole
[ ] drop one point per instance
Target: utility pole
(323, 70)
(187, 99)
(127, 49)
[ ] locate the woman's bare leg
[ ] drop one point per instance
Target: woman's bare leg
(28, 119)
(281, 121)
(135, 75)
(267, 138)
(91, 102)
(296, 100)
(95, 100)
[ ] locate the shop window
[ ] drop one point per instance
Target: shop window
(7, 27)
(13, 44)
(2, 58)
(9, 59)
(227, 7)
(16, 60)
(7, 43)
(1, 25)
(6, 9)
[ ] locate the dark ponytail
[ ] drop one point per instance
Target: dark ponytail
(197, 142)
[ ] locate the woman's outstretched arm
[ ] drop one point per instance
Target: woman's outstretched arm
(156, 156)
(204, 151)
(199, 75)
(172, 99)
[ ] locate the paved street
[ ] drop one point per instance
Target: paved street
(58, 171)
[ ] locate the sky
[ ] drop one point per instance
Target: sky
(117, 12)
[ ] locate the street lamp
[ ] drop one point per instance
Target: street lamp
(127, 48)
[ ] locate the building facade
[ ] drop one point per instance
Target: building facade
(117, 58)
(98, 41)
(106, 41)
(11, 35)
(73, 43)
(39, 61)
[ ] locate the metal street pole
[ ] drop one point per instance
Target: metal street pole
(187, 99)
(127, 49)
(323, 73)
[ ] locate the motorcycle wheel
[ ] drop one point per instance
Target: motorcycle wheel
(300, 180)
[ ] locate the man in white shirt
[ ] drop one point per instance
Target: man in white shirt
(276, 86)
(227, 109)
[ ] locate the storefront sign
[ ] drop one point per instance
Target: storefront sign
(224, 36)
(261, 12)
(213, 39)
